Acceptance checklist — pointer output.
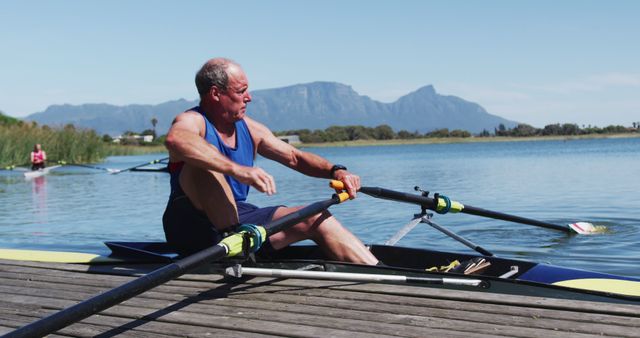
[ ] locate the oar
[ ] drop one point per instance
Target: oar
(90, 167)
(228, 247)
(20, 167)
(164, 169)
(117, 171)
(238, 271)
(442, 204)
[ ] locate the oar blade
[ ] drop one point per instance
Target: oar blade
(584, 228)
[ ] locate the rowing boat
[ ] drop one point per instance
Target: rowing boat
(416, 266)
(500, 275)
(482, 272)
(39, 172)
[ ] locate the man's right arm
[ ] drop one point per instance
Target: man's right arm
(186, 143)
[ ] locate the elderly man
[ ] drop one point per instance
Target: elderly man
(212, 148)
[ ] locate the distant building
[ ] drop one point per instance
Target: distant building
(139, 138)
(291, 139)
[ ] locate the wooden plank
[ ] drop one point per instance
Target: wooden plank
(414, 321)
(467, 296)
(232, 317)
(353, 299)
(178, 323)
(431, 292)
(313, 307)
(40, 300)
(479, 315)
(122, 327)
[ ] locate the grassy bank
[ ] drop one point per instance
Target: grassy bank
(67, 144)
(112, 150)
(441, 140)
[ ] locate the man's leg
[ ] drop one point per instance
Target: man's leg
(336, 241)
(209, 191)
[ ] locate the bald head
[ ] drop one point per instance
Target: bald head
(214, 73)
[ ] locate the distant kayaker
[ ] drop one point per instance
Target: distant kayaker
(38, 157)
(212, 148)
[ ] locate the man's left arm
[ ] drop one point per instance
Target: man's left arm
(271, 147)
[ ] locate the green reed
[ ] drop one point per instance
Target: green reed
(66, 144)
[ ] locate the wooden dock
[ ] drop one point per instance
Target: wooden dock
(206, 305)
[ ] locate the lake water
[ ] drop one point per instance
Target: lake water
(597, 181)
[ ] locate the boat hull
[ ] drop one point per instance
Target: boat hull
(508, 276)
(39, 172)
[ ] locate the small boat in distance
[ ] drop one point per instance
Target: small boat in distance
(40, 172)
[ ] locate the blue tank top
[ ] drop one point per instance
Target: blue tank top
(242, 154)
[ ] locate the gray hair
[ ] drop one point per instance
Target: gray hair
(213, 73)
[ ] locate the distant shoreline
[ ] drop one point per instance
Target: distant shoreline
(447, 140)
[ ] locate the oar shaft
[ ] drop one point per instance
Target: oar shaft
(393, 195)
(89, 166)
(512, 218)
(431, 204)
(295, 217)
(141, 165)
(137, 286)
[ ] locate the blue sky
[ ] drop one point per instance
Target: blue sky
(537, 62)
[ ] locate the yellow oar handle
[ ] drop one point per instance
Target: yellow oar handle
(343, 196)
(339, 187)
(234, 243)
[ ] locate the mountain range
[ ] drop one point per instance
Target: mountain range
(315, 105)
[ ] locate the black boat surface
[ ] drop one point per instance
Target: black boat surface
(496, 275)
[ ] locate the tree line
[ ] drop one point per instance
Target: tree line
(557, 129)
(354, 133)
(385, 132)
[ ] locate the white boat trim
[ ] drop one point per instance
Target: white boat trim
(39, 172)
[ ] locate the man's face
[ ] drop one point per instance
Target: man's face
(234, 100)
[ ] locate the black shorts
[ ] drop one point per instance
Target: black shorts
(188, 229)
(36, 166)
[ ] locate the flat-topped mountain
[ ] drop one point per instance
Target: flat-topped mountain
(315, 105)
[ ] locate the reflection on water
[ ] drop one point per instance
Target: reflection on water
(39, 197)
(559, 182)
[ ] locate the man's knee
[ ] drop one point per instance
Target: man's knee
(321, 225)
(200, 185)
(322, 218)
(209, 192)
